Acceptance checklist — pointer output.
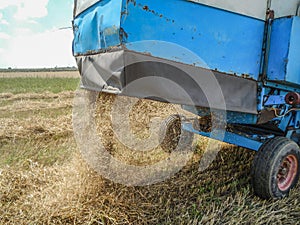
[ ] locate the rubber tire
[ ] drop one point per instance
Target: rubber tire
(266, 164)
(172, 137)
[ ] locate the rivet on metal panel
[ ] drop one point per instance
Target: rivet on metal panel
(270, 14)
(131, 1)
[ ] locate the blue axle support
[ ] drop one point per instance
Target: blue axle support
(275, 100)
(228, 137)
(291, 120)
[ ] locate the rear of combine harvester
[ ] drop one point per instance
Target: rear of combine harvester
(251, 48)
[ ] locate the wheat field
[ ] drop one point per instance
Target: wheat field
(44, 180)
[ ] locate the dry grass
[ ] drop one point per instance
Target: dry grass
(64, 74)
(43, 179)
(26, 114)
(141, 115)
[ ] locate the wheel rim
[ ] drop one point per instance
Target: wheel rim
(287, 172)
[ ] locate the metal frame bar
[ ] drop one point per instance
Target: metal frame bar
(226, 136)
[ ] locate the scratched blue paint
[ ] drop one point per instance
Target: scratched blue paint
(97, 28)
(284, 53)
(218, 39)
(205, 36)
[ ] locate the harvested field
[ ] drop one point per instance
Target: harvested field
(44, 180)
(50, 74)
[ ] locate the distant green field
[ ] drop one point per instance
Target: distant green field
(37, 85)
(41, 70)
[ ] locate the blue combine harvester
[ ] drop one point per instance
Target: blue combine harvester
(235, 57)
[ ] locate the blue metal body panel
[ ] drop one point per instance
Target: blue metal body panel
(97, 28)
(284, 52)
(209, 38)
(221, 40)
(206, 37)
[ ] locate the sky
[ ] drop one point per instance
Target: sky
(36, 33)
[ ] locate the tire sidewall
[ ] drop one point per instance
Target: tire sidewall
(289, 149)
(183, 138)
